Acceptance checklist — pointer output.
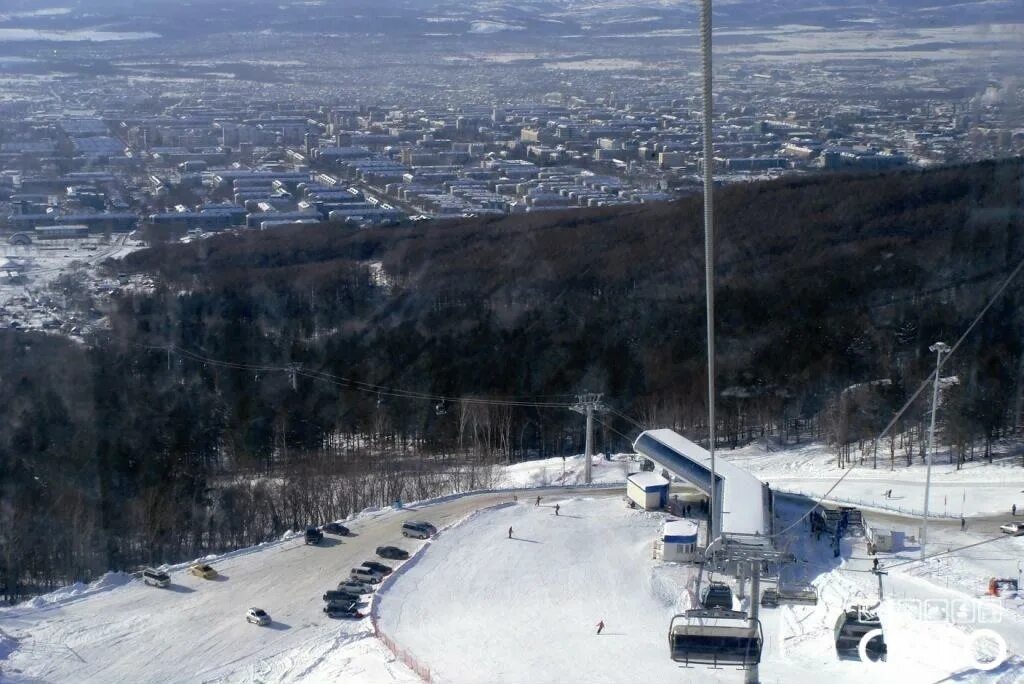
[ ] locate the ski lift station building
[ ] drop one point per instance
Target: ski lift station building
(679, 541)
(647, 490)
(743, 504)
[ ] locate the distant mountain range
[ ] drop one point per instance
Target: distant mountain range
(484, 19)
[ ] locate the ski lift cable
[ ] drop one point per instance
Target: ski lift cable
(350, 383)
(927, 381)
(628, 419)
(620, 434)
(947, 552)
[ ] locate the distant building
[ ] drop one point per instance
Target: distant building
(647, 490)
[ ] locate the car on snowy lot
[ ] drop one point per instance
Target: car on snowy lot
(354, 587)
(156, 578)
(365, 575)
(343, 610)
(392, 552)
(1014, 528)
(336, 528)
(378, 567)
(257, 616)
(342, 595)
(314, 536)
(202, 570)
(418, 529)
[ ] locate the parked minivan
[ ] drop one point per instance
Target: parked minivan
(365, 575)
(418, 529)
(156, 578)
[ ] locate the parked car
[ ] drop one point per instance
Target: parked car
(336, 528)
(365, 575)
(156, 578)
(392, 552)
(1014, 528)
(378, 567)
(716, 595)
(354, 587)
(202, 570)
(341, 595)
(418, 529)
(343, 610)
(257, 616)
(314, 536)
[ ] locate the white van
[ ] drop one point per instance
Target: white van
(365, 575)
(156, 578)
(418, 529)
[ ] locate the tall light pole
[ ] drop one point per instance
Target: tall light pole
(709, 247)
(939, 348)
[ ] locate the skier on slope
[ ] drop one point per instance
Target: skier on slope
(509, 532)
(556, 509)
(600, 626)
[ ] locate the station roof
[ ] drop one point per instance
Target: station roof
(648, 481)
(740, 504)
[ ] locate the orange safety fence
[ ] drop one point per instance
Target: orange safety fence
(407, 658)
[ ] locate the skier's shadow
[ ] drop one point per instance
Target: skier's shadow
(532, 541)
(566, 515)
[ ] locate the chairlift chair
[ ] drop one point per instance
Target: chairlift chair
(716, 638)
(851, 627)
(716, 595)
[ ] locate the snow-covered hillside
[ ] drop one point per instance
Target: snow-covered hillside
(476, 606)
(978, 488)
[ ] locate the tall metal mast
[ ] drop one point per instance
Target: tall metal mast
(709, 248)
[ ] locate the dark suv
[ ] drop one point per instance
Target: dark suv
(314, 536)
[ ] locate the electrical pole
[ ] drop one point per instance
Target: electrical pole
(939, 348)
(587, 404)
(709, 247)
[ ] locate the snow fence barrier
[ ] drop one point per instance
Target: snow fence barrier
(410, 661)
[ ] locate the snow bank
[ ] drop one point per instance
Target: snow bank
(78, 590)
(567, 472)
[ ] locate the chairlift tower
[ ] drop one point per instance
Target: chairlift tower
(587, 404)
(747, 554)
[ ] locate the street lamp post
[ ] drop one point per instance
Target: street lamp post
(939, 348)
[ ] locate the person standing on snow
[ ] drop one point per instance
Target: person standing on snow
(600, 626)
(538, 501)
(556, 509)
(509, 532)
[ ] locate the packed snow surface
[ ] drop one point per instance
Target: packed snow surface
(525, 608)
(474, 605)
